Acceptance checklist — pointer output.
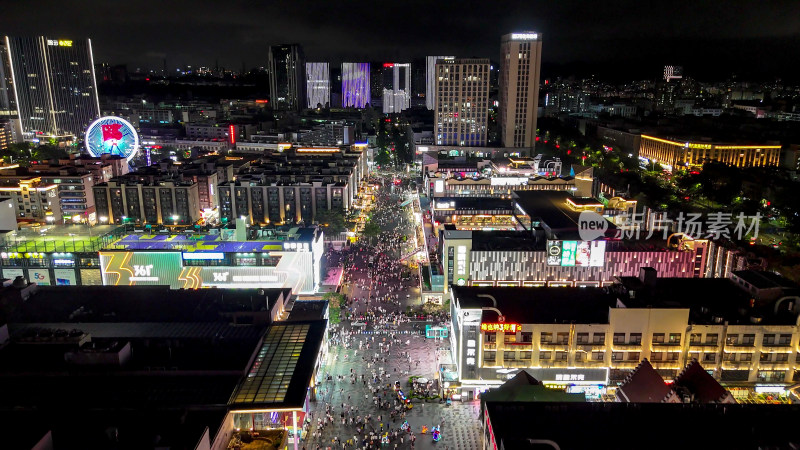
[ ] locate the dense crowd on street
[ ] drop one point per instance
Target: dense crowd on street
(377, 282)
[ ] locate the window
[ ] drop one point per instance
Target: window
(510, 338)
(709, 357)
(782, 357)
(491, 337)
(562, 338)
(730, 356)
(633, 356)
(509, 355)
(658, 338)
(525, 355)
(674, 338)
(527, 336)
(619, 338)
(598, 356)
(636, 338)
(766, 357)
(544, 356)
(546, 338)
(580, 356)
(582, 338)
(745, 357)
(617, 356)
(769, 339)
(694, 338)
(656, 356)
(599, 338)
(489, 356)
(672, 356)
(749, 339)
(711, 339)
(561, 356)
(785, 339)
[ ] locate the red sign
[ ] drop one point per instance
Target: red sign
(262, 101)
(504, 327)
(111, 131)
(232, 131)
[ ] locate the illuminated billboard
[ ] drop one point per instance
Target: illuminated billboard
(112, 135)
(294, 269)
(576, 253)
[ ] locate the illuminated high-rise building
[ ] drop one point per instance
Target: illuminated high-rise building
(430, 79)
(50, 83)
(355, 85)
(462, 102)
(397, 87)
(318, 84)
(287, 77)
(520, 65)
(673, 73)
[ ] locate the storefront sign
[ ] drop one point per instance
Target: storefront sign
(504, 327)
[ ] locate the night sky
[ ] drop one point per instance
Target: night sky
(614, 40)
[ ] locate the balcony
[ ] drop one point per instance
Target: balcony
(552, 346)
(665, 346)
(550, 364)
(622, 346)
(666, 365)
(733, 365)
(519, 345)
(776, 348)
(490, 345)
(624, 364)
(703, 347)
(774, 365)
(590, 347)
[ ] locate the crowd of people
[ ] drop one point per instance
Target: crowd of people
(377, 282)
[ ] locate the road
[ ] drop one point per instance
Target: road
(378, 294)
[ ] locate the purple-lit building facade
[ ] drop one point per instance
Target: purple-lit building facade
(355, 85)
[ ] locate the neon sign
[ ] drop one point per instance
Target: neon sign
(112, 135)
(525, 36)
(504, 327)
(59, 43)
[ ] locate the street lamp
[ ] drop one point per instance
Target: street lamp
(175, 218)
(103, 219)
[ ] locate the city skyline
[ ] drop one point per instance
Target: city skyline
(624, 38)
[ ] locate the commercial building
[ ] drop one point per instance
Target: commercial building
(520, 66)
(672, 154)
(318, 84)
(53, 85)
(290, 187)
(467, 213)
(6, 133)
(34, 198)
(396, 87)
(590, 339)
(287, 77)
(430, 79)
(462, 102)
(107, 254)
(355, 85)
(136, 199)
(150, 364)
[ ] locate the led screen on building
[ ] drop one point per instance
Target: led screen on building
(295, 270)
(576, 253)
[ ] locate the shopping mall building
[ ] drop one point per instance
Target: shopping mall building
(744, 330)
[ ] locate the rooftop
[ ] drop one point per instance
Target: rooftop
(475, 203)
(503, 240)
(551, 208)
(762, 279)
(282, 369)
(209, 242)
(539, 304)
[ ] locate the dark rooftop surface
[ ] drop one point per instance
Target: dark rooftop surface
(539, 304)
(644, 385)
(705, 298)
(504, 240)
(763, 279)
(281, 372)
(551, 208)
(106, 304)
(308, 310)
(692, 426)
(523, 387)
(697, 381)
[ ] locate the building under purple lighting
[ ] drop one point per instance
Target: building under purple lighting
(355, 85)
